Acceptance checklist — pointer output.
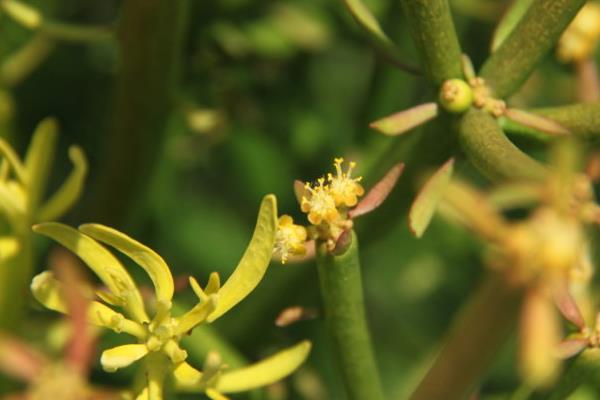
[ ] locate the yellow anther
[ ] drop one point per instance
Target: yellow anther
(290, 239)
(345, 189)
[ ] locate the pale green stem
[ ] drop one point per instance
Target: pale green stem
(488, 148)
(156, 371)
(433, 32)
(475, 337)
(516, 58)
(342, 294)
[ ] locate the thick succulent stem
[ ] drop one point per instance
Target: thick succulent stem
(150, 41)
(474, 339)
(539, 29)
(488, 148)
(342, 294)
(433, 31)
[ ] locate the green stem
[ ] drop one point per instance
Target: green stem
(536, 33)
(432, 29)
(342, 294)
(582, 119)
(15, 277)
(474, 339)
(150, 37)
(488, 148)
(585, 368)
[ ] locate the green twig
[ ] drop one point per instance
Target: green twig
(150, 40)
(582, 119)
(432, 29)
(585, 368)
(475, 337)
(342, 293)
(539, 29)
(488, 148)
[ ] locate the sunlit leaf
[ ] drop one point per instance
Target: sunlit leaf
(509, 20)
(102, 262)
(378, 193)
(426, 202)
(266, 371)
(39, 158)
(254, 262)
(536, 122)
(145, 257)
(64, 198)
(197, 314)
(403, 121)
(22, 12)
(122, 356)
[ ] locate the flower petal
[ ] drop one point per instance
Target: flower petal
(254, 262)
(265, 372)
(102, 262)
(69, 191)
(426, 202)
(145, 257)
(122, 356)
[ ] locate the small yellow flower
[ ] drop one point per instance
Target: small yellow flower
(320, 203)
(579, 41)
(343, 187)
(290, 239)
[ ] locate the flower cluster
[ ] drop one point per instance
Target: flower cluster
(158, 336)
(579, 40)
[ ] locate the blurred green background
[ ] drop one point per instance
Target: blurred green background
(265, 92)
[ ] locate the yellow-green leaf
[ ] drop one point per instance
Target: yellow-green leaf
(46, 289)
(254, 262)
(122, 356)
(196, 315)
(13, 160)
(102, 262)
(22, 13)
(403, 121)
(427, 200)
(9, 246)
(64, 198)
(265, 372)
(39, 158)
(12, 201)
(186, 375)
(145, 257)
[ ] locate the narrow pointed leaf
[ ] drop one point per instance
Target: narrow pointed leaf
(266, 371)
(378, 193)
(342, 243)
(571, 347)
(467, 67)
(403, 121)
(213, 285)
(106, 266)
(197, 315)
(145, 257)
(509, 20)
(39, 158)
(567, 306)
(9, 247)
(537, 122)
(13, 160)
(254, 262)
(64, 198)
(186, 375)
(122, 356)
(22, 13)
(426, 202)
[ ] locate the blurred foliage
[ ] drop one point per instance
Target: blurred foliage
(270, 92)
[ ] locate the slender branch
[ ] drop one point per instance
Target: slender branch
(508, 67)
(474, 338)
(342, 294)
(150, 40)
(488, 148)
(432, 29)
(582, 119)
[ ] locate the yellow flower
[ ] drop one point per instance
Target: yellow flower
(290, 239)
(158, 336)
(320, 204)
(345, 189)
(579, 40)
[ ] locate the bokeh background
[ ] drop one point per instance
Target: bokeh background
(262, 93)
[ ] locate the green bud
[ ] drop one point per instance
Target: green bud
(456, 96)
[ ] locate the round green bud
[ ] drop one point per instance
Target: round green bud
(456, 96)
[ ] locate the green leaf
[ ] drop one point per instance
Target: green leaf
(13, 160)
(536, 122)
(265, 372)
(102, 262)
(426, 202)
(254, 262)
(509, 20)
(38, 160)
(403, 121)
(145, 257)
(62, 200)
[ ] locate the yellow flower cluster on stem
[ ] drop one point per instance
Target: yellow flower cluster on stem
(158, 336)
